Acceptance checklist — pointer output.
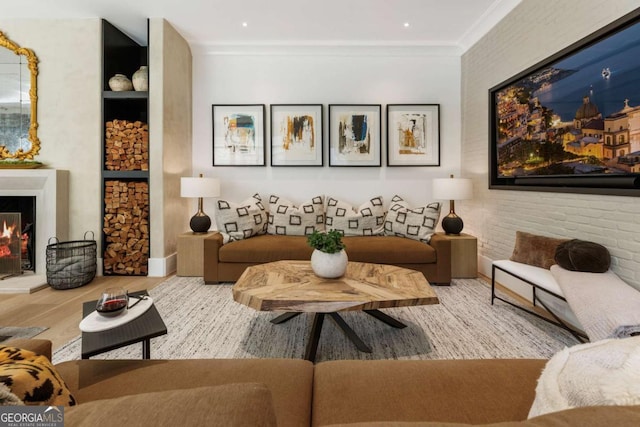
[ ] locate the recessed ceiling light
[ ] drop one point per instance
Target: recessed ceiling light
(244, 24)
(406, 25)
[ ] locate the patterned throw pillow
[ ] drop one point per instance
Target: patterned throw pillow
(366, 220)
(32, 378)
(417, 223)
(287, 219)
(237, 221)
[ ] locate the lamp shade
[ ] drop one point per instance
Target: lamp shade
(452, 188)
(199, 187)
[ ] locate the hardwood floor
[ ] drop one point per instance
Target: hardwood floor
(61, 310)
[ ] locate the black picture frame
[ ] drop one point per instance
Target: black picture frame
(345, 151)
(297, 134)
(565, 124)
(413, 134)
(239, 135)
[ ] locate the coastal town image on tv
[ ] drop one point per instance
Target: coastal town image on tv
(577, 115)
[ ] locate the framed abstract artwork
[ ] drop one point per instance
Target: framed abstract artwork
(238, 135)
(296, 135)
(354, 134)
(413, 135)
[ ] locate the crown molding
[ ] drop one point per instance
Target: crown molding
(494, 14)
(327, 49)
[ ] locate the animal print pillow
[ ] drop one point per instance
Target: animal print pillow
(237, 221)
(32, 378)
(288, 219)
(365, 220)
(414, 223)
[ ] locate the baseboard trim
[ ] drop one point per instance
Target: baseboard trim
(162, 267)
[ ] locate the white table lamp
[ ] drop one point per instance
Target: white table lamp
(452, 189)
(199, 187)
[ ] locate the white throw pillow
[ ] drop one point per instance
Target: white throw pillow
(365, 220)
(285, 218)
(414, 223)
(605, 372)
(237, 221)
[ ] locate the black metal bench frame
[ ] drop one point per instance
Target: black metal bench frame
(579, 335)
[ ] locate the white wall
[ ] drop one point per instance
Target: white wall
(318, 75)
(69, 94)
(533, 31)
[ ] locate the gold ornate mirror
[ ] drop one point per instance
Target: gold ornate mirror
(18, 101)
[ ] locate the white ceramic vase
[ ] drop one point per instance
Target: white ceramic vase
(140, 79)
(119, 83)
(329, 266)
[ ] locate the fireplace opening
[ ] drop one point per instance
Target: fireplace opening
(17, 228)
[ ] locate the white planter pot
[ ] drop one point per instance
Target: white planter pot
(329, 266)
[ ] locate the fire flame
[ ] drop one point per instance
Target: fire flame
(6, 236)
(7, 231)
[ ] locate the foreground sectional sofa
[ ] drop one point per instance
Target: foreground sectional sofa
(295, 393)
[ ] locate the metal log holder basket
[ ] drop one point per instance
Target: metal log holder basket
(71, 264)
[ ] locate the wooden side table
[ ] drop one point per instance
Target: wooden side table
(191, 253)
(464, 255)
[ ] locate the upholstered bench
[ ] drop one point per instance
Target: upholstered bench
(600, 304)
(540, 279)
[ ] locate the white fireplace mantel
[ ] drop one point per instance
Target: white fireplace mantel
(51, 189)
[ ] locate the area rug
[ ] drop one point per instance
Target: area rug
(203, 321)
(14, 332)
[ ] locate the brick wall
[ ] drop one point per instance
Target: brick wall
(533, 31)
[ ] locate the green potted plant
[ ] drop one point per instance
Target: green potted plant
(329, 259)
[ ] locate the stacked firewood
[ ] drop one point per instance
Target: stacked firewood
(126, 145)
(126, 227)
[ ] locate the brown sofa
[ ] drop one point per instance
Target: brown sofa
(291, 392)
(225, 263)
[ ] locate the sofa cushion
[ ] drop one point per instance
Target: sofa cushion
(580, 255)
(237, 221)
(365, 220)
(286, 218)
(618, 416)
(266, 248)
(535, 250)
(32, 378)
(246, 404)
(605, 372)
(289, 380)
(463, 391)
(375, 249)
(388, 250)
(413, 223)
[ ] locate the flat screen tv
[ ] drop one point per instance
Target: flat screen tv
(571, 123)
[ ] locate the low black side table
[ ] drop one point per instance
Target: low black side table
(141, 329)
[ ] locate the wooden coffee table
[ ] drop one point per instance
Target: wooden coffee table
(291, 286)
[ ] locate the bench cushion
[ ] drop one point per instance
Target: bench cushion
(540, 276)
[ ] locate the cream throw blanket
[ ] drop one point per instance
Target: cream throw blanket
(606, 372)
(604, 304)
